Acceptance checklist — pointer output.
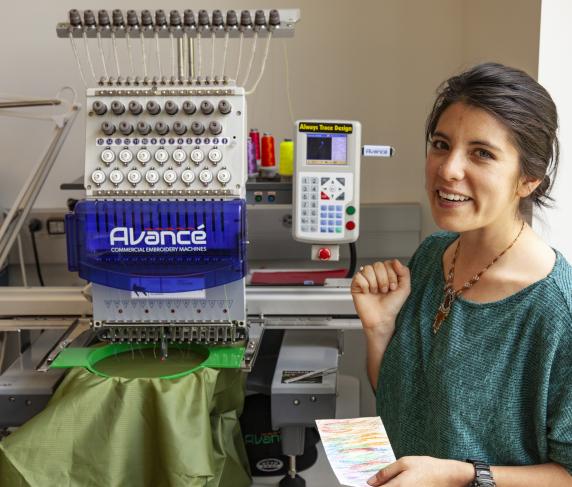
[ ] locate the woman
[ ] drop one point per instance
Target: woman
(470, 348)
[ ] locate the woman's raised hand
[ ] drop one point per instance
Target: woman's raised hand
(379, 291)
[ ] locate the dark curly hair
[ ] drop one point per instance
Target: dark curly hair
(522, 105)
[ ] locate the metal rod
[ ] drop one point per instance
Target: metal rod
(191, 49)
(29, 192)
(29, 103)
(181, 58)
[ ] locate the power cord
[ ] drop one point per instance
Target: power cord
(353, 260)
(34, 226)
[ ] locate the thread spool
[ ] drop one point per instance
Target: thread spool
(267, 154)
(255, 137)
(251, 158)
(286, 163)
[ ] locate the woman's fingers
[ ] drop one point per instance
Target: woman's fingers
(369, 273)
(381, 276)
(391, 274)
(386, 474)
(360, 284)
(402, 272)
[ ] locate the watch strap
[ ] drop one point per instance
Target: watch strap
(483, 474)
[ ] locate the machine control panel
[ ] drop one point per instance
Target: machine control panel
(156, 142)
(326, 189)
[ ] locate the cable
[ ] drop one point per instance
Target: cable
(226, 36)
(130, 54)
(263, 67)
(143, 55)
(158, 53)
(90, 62)
(34, 226)
(200, 68)
(22, 265)
(102, 55)
(76, 54)
(288, 97)
(239, 59)
(115, 55)
(173, 69)
(353, 260)
(212, 55)
(251, 61)
(3, 349)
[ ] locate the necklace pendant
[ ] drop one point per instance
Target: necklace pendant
(439, 318)
(444, 309)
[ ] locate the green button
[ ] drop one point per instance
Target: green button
(350, 210)
(258, 198)
(338, 229)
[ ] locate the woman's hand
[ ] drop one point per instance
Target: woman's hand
(425, 471)
(379, 291)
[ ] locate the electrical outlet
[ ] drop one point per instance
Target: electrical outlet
(55, 226)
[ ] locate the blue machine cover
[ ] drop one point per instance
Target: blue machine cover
(158, 246)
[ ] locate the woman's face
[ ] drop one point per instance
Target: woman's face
(472, 171)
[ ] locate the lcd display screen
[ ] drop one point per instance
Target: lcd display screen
(327, 149)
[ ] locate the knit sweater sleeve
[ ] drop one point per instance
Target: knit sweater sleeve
(559, 410)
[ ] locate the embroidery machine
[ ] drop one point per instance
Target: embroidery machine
(162, 233)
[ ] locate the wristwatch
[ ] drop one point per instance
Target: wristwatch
(483, 474)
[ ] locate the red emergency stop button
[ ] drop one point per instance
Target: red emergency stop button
(350, 225)
(324, 254)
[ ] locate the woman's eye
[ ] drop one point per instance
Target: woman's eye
(439, 144)
(484, 154)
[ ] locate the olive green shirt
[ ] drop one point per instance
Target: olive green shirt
(494, 384)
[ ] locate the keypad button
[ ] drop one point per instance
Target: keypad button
(305, 228)
(305, 180)
(338, 229)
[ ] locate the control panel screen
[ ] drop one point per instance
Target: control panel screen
(327, 149)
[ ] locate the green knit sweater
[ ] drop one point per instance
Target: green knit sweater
(494, 384)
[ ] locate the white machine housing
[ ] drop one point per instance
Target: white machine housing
(188, 164)
(326, 197)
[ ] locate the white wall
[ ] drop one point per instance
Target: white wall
(555, 73)
(378, 61)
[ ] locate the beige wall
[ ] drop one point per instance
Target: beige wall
(377, 61)
(555, 73)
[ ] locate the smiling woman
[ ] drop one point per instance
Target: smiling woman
(470, 346)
